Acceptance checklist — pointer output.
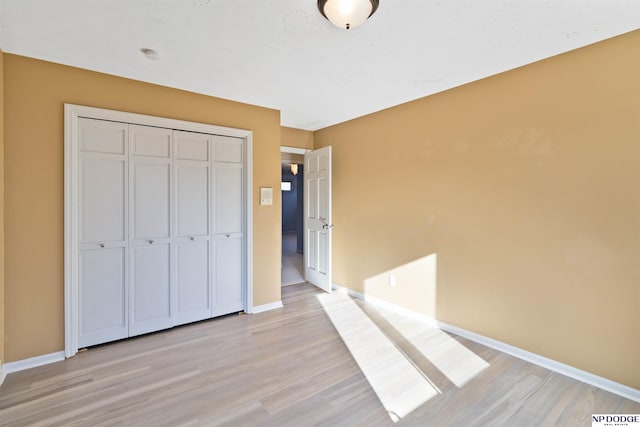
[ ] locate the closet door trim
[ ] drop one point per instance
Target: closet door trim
(72, 114)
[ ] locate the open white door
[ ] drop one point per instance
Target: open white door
(317, 218)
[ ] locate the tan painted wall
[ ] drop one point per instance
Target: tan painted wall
(34, 95)
(1, 208)
(296, 138)
(525, 186)
(292, 158)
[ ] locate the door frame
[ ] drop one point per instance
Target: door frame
(72, 113)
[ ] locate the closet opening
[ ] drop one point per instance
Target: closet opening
(158, 224)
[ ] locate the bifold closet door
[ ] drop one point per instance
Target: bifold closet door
(192, 175)
(228, 225)
(150, 287)
(161, 228)
(103, 175)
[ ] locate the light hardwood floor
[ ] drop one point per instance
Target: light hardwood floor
(292, 367)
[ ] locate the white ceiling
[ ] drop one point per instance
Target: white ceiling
(283, 54)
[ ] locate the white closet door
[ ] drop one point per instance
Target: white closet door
(157, 221)
(228, 275)
(150, 287)
(192, 175)
(228, 229)
(103, 206)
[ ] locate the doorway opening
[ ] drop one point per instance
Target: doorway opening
(292, 216)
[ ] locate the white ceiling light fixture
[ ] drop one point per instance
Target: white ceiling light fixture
(347, 13)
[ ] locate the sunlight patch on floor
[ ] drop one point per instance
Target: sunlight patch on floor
(399, 385)
(454, 360)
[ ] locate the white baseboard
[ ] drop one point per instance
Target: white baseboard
(32, 362)
(266, 307)
(45, 359)
(388, 305)
(3, 374)
(545, 362)
(555, 366)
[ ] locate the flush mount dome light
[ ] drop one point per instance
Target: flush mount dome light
(347, 13)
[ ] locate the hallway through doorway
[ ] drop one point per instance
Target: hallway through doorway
(292, 262)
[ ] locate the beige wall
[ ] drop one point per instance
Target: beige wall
(34, 95)
(1, 209)
(298, 138)
(509, 207)
(292, 158)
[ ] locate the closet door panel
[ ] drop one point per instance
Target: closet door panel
(102, 200)
(192, 146)
(192, 197)
(102, 296)
(150, 302)
(100, 136)
(193, 290)
(228, 222)
(228, 149)
(149, 141)
(192, 172)
(228, 199)
(151, 291)
(228, 275)
(102, 215)
(151, 200)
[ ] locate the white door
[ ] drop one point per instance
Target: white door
(150, 290)
(228, 220)
(102, 212)
(192, 238)
(317, 218)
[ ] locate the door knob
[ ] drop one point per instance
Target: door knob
(102, 245)
(327, 226)
(192, 238)
(152, 242)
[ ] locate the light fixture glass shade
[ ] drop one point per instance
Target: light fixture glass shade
(347, 13)
(294, 169)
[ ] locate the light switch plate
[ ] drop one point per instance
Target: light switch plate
(266, 196)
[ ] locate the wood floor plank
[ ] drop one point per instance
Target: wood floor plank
(291, 367)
